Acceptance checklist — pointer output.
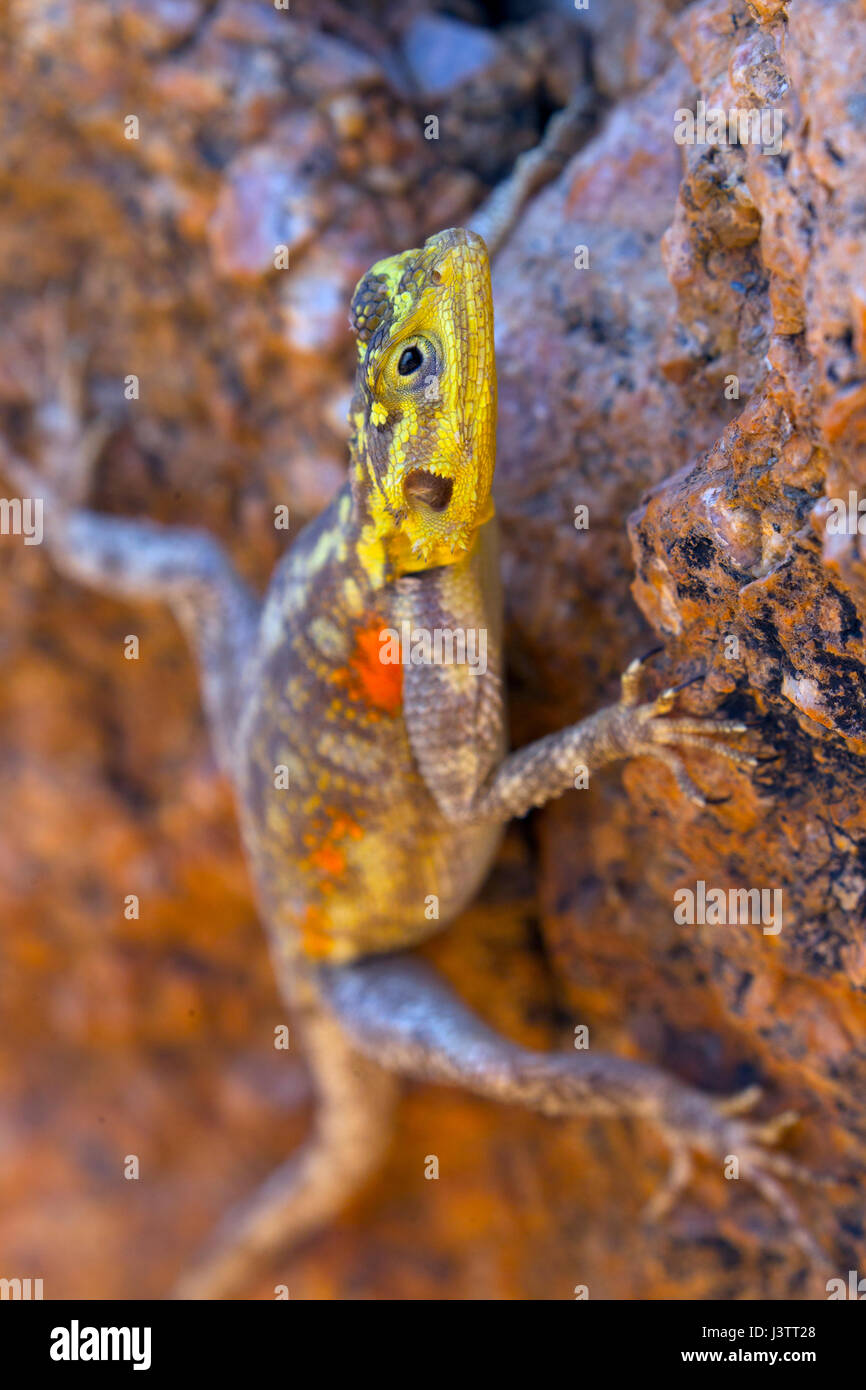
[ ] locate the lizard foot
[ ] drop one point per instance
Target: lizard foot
(744, 1148)
(647, 731)
(69, 445)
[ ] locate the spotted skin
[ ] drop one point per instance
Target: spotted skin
(355, 855)
(372, 795)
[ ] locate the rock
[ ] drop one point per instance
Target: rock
(313, 300)
(157, 25)
(442, 52)
(155, 257)
(588, 413)
(272, 197)
(736, 571)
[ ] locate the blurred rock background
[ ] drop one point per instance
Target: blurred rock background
(155, 257)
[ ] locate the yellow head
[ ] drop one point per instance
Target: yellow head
(424, 411)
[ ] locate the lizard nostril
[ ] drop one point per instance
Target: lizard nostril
(422, 486)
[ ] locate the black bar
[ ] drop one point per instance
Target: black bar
(292, 1338)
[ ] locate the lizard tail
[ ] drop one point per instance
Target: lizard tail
(355, 1100)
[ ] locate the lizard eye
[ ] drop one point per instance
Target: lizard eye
(411, 358)
(410, 364)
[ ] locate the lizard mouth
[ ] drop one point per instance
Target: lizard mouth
(435, 492)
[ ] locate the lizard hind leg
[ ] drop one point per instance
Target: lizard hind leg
(351, 1132)
(400, 1012)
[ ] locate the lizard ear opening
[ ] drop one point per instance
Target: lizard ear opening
(369, 304)
(430, 488)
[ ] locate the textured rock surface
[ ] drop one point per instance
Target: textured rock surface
(155, 257)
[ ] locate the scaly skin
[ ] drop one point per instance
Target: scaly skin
(398, 780)
(348, 856)
(424, 436)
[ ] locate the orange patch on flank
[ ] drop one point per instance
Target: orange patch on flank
(323, 841)
(327, 858)
(315, 937)
(371, 681)
(330, 860)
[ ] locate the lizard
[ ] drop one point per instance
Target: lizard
(365, 788)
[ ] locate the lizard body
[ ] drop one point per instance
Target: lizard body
(349, 855)
(350, 851)
(369, 789)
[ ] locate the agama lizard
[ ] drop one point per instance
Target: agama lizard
(366, 789)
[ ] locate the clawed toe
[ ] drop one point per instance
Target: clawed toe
(762, 1169)
(757, 1164)
(630, 680)
(771, 1131)
(673, 733)
(674, 763)
(664, 703)
(761, 1166)
(663, 738)
(742, 1102)
(678, 1178)
(704, 727)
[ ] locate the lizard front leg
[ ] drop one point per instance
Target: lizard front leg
(421, 1028)
(135, 559)
(547, 768)
(453, 720)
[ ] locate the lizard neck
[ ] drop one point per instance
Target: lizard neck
(383, 551)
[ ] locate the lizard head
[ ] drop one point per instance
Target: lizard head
(424, 411)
